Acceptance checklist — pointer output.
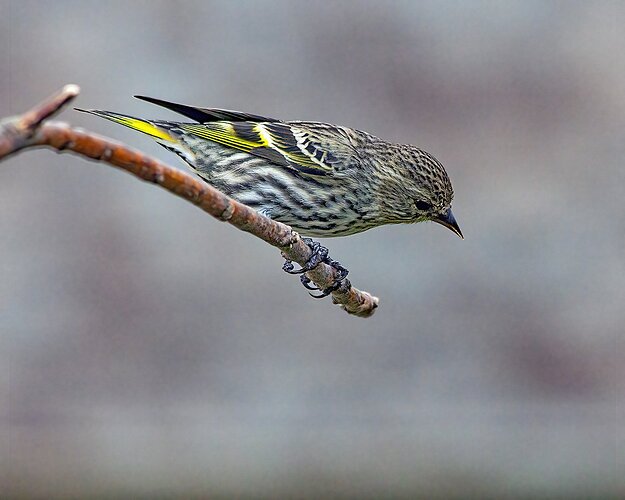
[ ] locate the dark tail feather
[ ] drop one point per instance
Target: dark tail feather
(205, 115)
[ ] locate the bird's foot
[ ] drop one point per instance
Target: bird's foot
(319, 255)
(338, 282)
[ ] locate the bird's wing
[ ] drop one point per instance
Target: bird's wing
(309, 148)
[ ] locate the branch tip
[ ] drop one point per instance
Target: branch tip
(71, 89)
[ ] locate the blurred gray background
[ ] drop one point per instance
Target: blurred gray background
(147, 349)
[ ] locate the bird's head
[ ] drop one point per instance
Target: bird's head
(417, 189)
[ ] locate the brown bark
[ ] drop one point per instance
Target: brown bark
(32, 130)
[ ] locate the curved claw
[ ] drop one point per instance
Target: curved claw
(306, 282)
(288, 267)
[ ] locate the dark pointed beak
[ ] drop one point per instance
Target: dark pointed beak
(449, 221)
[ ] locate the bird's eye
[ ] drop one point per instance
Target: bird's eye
(423, 206)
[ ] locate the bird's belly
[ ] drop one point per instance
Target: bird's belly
(313, 206)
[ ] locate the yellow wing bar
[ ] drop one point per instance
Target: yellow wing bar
(224, 133)
(260, 139)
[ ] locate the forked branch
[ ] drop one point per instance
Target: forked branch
(32, 130)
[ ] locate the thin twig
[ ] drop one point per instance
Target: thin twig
(31, 130)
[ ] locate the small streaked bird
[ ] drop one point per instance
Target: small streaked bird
(323, 180)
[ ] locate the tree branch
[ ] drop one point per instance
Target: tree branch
(31, 130)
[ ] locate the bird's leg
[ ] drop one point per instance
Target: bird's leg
(319, 255)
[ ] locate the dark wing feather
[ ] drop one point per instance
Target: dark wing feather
(206, 115)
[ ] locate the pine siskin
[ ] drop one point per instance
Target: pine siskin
(322, 180)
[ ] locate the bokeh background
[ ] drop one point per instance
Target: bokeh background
(149, 350)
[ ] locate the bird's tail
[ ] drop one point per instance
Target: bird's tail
(159, 133)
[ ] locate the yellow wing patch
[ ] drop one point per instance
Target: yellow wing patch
(224, 133)
(274, 141)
